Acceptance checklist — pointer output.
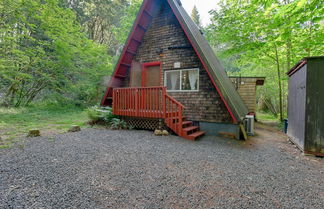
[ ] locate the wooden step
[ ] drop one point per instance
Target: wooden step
(183, 118)
(195, 135)
(120, 76)
(187, 123)
(175, 119)
(190, 128)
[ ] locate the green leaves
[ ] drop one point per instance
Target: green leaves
(267, 38)
(43, 48)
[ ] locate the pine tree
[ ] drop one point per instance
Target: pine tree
(196, 16)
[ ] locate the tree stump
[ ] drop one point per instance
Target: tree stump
(74, 128)
(33, 133)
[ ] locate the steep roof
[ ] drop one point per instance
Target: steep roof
(216, 72)
(210, 61)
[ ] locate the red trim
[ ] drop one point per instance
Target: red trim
(296, 67)
(205, 66)
(148, 64)
(145, 3)
(138, 18)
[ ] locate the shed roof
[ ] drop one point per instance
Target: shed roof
(300, 64)
(259, 80)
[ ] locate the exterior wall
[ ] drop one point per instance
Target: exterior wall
(165, 31)
(213, 129)
(314, 133)
(247, 91)
(296, 107)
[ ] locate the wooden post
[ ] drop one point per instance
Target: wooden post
(164, 102)
(136, 103)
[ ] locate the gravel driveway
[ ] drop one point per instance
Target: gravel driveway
(98, 168)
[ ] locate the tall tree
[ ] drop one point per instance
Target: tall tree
(100, 18)
(268, 36)
(42, 48)
(195, 16)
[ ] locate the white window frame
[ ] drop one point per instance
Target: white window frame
(180, 70)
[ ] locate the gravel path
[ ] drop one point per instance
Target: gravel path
(98, 168)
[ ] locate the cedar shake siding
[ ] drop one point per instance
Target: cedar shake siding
(165, 32)
(246, 87)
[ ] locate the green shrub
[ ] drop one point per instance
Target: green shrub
(100, 114)
(117, 123)
(93, 114)
(104, 115)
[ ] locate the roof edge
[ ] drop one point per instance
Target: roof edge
(300, 64)
(259, 77)
(183, 25)
(297, 67)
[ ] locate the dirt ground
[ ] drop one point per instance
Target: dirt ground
(268, 133)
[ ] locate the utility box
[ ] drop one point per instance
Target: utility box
(249, 125)
(306, 105)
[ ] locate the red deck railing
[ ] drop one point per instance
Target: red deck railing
(139, 102)
(149, 102)
(174, 115)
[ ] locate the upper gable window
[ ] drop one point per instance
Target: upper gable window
(182, 80)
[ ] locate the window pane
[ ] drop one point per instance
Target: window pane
(190, 79)
(173, 80)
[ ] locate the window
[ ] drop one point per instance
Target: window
(182, 80)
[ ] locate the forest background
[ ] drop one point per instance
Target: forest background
(55, 55)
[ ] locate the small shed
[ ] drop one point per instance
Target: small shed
(246, 87)
(306, 105)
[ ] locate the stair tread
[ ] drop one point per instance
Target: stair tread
(190, 128)
(172, 117)
(186, 122)
(197, 134)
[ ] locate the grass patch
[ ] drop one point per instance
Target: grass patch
(16, 122)
(263, 116)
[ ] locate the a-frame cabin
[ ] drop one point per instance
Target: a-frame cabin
(168, 72)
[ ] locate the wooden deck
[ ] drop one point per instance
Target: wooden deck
(154, 102)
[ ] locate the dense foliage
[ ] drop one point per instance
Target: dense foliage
(59, 50)
(266, 38)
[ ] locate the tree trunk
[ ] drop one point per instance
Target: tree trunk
(279, 86)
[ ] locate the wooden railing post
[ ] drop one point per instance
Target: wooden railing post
(164, 102)
(180, 120)
(136, 103)
(114, 102)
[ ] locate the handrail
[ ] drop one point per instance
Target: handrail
(173, 117)
(150, 102)
(150, 87)
(175, 101)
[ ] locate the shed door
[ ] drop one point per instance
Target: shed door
(151, 75)
(297, 106)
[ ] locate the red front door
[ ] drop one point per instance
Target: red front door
(151, 74)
